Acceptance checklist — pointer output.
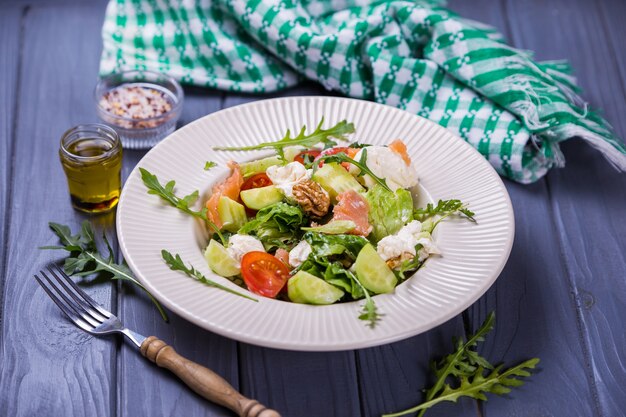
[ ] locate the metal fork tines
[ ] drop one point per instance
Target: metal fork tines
(80, 308)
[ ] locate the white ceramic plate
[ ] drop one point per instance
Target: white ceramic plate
(473, 255)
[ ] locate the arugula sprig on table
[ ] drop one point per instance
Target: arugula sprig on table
(466, 368)
(166, 192)
(176, 263)
(339, 131)
(85, 259)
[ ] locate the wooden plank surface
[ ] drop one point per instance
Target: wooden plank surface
(535, 317)
(10, 37)
(612, 14)
(587, 198)
(49, 367)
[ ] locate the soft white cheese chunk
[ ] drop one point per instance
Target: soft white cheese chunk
(239, 245)
(428, 246)
(403, 241)
(387, 164)
(393, 246)
(299, 253)
(285, 177)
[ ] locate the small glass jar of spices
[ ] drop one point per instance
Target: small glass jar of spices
(91, 156)
(142, 106)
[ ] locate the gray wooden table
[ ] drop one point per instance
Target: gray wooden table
(561, 297)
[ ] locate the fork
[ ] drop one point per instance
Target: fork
(81, 309)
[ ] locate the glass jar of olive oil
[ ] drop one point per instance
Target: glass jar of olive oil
(91, 156)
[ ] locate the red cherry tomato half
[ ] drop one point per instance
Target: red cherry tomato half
(263, 273)
(312, 155)
(256, 181)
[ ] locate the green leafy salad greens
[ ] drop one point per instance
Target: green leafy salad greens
(277, 226)
(389, 211)
(326, 220)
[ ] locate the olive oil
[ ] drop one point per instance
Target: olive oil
(91, 156)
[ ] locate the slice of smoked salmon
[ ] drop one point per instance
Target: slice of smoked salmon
(399, 147)
(351, 152)
(283, 256)
(230, 188)
(353, 206)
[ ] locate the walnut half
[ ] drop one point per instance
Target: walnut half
(311, 197)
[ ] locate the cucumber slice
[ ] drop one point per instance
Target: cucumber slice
(373, 272)
(334, 227)
(232, 214)
(335, 180)
(220, 261)
(258, 198)
(305, 288)
(261, 165)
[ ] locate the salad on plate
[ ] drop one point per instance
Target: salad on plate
(326, 219)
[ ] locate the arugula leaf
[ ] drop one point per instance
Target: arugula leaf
(167, 193)
(209, 164)
(176, 263)
(361, 164)
(468, 367)
(85, 259)
(444, 208)
(464, 360)
(339, 131)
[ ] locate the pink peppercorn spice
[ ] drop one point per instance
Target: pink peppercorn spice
(142, 106)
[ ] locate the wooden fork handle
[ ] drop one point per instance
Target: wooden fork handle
(202, 380)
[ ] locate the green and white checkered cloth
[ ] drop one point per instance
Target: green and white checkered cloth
(413, 55)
